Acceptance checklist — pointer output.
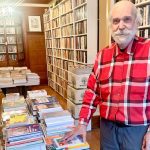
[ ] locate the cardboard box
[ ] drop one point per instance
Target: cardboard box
(75, 109)
(78, 81)
(76, 96)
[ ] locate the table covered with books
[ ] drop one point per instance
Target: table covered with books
(22, 77)
(37, 122)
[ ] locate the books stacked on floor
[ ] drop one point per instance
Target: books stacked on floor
(56, 143)
(57, 122)
(27, 137)
(33, 78)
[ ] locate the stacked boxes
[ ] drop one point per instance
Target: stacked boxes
(77, 84)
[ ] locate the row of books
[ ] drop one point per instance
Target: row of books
(81, 27)
(81, 13)
(67, 30)
(145, 11)
(48, 34)
(81, 42)
(68, 54)
(79, 2)
(68, 42)
(140, 1)
(48, 43)
(66, 19)
(11, 39)
(81, 56)
(144, 33)
(55, 23)
(47, 26)
(65, 7)
(55, 52)
(56, 33)
(58, 62)
(57, 72)
(50, 60)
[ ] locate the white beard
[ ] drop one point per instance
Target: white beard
(124, 37)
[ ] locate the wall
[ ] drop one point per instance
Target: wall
(104, 31)
(34, 43)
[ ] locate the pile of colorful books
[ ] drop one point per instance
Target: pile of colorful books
(26, 137)
(30, 123)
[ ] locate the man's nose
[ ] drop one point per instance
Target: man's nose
(121, 25)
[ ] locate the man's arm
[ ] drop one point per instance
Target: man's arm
(90, 101)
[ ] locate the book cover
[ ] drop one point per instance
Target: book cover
(23, 130)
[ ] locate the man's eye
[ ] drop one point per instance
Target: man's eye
(115, 21)
(127, 19)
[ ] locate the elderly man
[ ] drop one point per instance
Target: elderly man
(119, 84)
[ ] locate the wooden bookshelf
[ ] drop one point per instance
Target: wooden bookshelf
(11, 42)
(70, 39)
(144, 8)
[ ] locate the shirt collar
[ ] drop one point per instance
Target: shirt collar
(129, 49)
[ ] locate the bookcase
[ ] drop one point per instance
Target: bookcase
(11, 42)
(70, 39)
(144, 8)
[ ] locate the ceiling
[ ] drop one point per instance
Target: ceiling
(37, 1)
(12, 2)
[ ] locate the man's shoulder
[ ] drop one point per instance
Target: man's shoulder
(143, 41)
(108, 48)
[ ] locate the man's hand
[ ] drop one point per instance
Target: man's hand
(79, 130)
(146, 142)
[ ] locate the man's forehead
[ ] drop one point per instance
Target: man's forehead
(121, 13)
(122, 10)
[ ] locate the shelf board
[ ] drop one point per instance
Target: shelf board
(142, 3)
(144, 27)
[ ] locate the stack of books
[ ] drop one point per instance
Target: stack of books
(15, 112)
(57, 122)
(5, 78)
(43, 104)
(33, 78)
(56, 143)
(13, 101)
(36, 93)
(18, 77)
(26, 137)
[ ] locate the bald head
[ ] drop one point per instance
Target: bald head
(126, 6)
(124, 22)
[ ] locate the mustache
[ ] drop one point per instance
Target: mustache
(124, 32)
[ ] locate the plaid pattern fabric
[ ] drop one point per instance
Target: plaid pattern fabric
(119, 84)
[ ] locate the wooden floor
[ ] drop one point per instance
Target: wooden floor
(93, 137)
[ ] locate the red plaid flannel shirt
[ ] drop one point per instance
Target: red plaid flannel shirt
(119, 84)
